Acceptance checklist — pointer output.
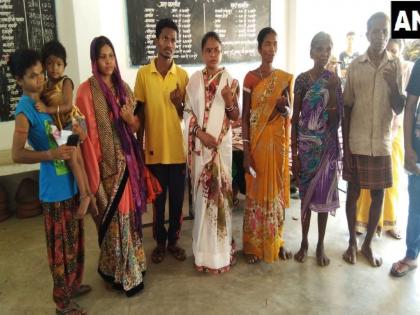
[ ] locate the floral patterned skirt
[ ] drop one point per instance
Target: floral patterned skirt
(122, 260)
(266, 196)
(65, 245)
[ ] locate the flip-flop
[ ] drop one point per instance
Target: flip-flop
(177, 252)
(395, 266)
(158, 254)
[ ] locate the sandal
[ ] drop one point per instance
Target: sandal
(177, 252)
(401, 268)
(72, 309)
(82, 290)
(158, 254)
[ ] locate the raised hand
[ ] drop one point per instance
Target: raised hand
(390, 75)
(282, 101)
(127, 112)
(229, 93)
(333, 82)
(176, 96)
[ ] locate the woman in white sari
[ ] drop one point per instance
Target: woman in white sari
(211, 102)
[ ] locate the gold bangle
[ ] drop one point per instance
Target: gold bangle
(58, 110)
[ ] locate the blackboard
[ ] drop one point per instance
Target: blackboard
(236, 22)
(23, 24)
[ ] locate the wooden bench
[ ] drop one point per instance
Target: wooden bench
(11, 174)
(8, 167)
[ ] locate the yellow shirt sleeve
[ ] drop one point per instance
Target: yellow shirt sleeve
(139, 94)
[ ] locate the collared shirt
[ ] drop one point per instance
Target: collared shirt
(163, 133)
(369, 96)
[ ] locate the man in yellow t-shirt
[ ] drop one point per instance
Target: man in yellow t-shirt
(159, 92)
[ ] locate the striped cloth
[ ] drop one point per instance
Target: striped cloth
(370, 172)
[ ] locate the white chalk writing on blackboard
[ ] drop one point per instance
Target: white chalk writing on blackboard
(236, 22)
(23, 24)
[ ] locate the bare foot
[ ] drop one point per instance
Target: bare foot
(321, 258)
(350, 255)
(83, 206)
(374, 260)
(301, 255)
(285, 254)
(251, 259)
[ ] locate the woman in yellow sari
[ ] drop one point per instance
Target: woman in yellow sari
(265, 123)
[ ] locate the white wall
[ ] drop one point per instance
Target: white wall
(333, 17)
(296, 22)
(108, 17)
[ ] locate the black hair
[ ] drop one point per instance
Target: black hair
(100, 42)
(351, 33)
(320, 37)
(396, 41)
(376, 16)
(209, 35)
(21, 60)
(161, 24)
(54, 48)
(263, 33)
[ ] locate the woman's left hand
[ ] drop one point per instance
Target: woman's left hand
(127, 112)
(229, 93)
(333, 82)
(283, 101)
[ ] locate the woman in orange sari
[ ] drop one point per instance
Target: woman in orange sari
(265, 123)
(115, 170)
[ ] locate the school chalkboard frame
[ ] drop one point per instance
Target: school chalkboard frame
(26, 24)
(141, 34)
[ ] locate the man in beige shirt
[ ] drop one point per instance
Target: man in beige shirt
(371, 95)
